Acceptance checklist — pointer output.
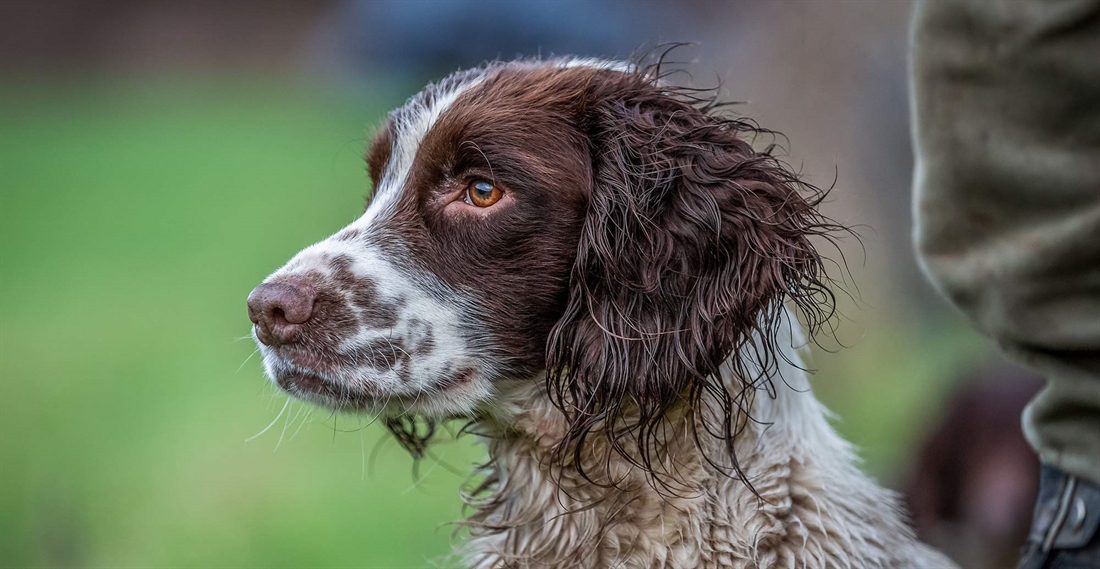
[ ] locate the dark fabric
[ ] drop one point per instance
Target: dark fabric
(1064, 531)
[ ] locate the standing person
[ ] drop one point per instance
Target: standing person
(1006, 102)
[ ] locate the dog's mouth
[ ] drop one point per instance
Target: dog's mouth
(324, 384)
(313, 387)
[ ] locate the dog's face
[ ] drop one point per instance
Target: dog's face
(459, 267)
(570, 217)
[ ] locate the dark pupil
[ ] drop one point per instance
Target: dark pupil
(484, 190)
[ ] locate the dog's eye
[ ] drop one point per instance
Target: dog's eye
(482, 194)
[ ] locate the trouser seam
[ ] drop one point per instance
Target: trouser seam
(1063, 512)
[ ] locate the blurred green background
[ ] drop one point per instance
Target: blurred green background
(138, 207)
(134, 220)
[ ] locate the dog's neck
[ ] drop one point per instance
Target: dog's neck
(812, 506)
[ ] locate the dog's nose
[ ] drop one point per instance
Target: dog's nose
(278, 309)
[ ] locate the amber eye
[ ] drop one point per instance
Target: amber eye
(482, 194)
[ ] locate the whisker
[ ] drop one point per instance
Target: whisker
(286, 424)
(254, 352)
(273, 421)
(307, 418)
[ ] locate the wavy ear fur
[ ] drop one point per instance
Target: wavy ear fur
(692, 243)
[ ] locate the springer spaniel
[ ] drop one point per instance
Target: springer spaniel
(590, 266)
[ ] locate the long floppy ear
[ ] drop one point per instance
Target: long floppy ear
(691, 245)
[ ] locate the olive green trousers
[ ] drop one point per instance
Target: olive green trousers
(1006, 109)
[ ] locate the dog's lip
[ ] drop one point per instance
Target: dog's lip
(306, 382)
(307, 360)
(309, 383)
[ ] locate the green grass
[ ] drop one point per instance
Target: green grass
(134, 220)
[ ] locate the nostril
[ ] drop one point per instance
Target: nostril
(278, 308)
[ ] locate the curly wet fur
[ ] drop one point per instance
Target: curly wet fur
(811, 506)
(635, 377)
(692, 241)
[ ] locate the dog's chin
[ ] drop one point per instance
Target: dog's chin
(456, 395)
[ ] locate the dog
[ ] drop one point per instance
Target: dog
(598, 272)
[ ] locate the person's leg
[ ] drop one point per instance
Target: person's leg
(1006, 101)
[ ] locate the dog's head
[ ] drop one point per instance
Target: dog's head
(573, 220)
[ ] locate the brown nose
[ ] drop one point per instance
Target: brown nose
(278, 309)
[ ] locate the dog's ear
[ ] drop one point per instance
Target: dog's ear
(692, 242)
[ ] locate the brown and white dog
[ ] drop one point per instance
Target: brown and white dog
(591, 266)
